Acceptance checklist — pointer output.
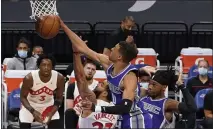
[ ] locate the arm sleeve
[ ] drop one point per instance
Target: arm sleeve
(122, 108)
(189, 106)
(70, 91)
(189, 85)
(207, 101)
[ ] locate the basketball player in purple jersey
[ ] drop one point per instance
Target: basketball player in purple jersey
(162, 108)
(122, 79)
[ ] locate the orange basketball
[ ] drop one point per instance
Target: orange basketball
(48, 26)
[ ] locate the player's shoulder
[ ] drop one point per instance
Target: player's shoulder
(58, 74)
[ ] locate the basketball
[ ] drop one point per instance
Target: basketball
(48, 26)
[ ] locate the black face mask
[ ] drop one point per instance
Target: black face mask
(127, 32)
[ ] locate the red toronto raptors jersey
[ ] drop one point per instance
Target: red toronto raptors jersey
(77, 97)
(41, 94)
(98, 120)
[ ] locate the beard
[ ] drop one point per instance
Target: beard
(89, 77)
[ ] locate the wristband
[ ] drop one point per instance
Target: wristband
(57, 103)
(98, 109)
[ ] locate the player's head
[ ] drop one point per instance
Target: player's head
(102, 91)
(23, 47)
(37, 50)
(203, 67)
(144, 79)
(127, 23)
(46, 63)
(124, 52)
(89, 69)
(159, 82)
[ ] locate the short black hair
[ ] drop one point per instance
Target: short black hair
(166, 77)
(129, 51)
(203, 60)
(23, 40)
(143, 73)
(44, 56)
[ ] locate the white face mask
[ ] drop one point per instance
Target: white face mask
(144, 85)
(202, 71)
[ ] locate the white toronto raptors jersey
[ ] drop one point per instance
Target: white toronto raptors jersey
(77, 97)
(99, 120)
(41, 94)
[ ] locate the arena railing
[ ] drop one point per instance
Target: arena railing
(103, 30)
(165, 37)
(201, 35)
(60, 46)
(4, 99)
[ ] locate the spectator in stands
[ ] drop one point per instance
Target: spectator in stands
(37, 50)
(23, 60)
(208, 110)
(201, 81)
(144, 82)
(73, 96)
(123, 33)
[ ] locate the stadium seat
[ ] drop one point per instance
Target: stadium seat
(193, 71)
(14, 104)
(13, 78)
(147, 56)
(190, 56)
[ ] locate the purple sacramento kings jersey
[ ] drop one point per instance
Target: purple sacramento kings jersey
(156, 108)
(135, 119)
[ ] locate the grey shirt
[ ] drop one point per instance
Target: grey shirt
(18, 63)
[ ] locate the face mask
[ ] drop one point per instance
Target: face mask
(202, 71)
(144, 85)
(22, 54)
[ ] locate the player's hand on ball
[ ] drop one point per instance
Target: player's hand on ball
(37, 116)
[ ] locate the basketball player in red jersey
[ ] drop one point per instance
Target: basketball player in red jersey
(87, 118)
(37, 97)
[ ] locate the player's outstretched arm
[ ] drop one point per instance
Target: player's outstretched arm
(25, 89)
(80, 77)
(188, 106)
(130, 85)
(82, 47)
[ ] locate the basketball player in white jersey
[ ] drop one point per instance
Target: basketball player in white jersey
(89, 119)
(37, 97)
(73, 96)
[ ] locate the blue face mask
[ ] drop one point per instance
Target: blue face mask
(144, 85)
(22, 53)
(202, 71)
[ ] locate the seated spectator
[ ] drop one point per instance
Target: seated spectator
(123, 33)
(37, 50)
(201, 81)
(208, 110)
(23, 60)
(144, 82)
(73, 97)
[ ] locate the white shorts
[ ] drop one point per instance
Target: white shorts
(26, 117)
